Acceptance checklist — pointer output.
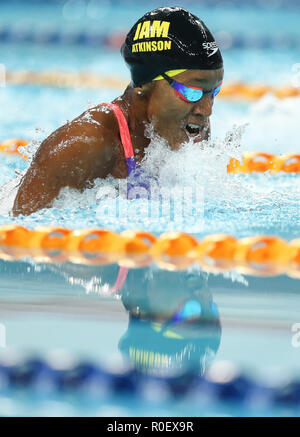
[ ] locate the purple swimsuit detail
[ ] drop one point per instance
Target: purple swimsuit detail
(138, 183)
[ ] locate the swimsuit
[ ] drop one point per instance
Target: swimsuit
(125, 138)
(137, 178)
(120, 281)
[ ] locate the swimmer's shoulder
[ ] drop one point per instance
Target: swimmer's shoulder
(102, 114)
(91, 141)
(100, 120)
(95, 128)
(103, 118)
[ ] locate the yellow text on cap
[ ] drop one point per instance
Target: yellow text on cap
(152, 29)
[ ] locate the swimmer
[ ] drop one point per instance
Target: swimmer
(174, 324)
(176, 71)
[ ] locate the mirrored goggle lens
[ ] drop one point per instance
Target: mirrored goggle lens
(190, 94)
(190, 311)
(217, 90)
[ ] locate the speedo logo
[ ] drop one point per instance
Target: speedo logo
(210, 46)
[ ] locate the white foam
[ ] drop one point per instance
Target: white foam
(8, 192)
(228, 200)
(201, 166)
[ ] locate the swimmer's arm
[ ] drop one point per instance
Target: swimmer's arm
(72, 156)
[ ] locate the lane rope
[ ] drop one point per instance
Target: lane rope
(224, 382)
(113, 39)
(260, 162)
(256, 255)
(85, 79)
(11, 146)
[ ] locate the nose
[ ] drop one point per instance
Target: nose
(204, 106)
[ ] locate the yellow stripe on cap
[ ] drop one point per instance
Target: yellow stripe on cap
(170, 73)
(171, 334)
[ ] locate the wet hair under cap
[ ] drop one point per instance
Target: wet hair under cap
(169, 38)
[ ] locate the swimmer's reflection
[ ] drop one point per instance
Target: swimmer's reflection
(173, 322)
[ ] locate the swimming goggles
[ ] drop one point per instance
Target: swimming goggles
(189, 93)
(190, 311)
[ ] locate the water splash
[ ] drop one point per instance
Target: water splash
(235, 204)
(272, 123)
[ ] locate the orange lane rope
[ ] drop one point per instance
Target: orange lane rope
(258, 255)
(63, 79)
(11, 146)
(261, 162)
(85, 79)
(244, 91)
(252, 161)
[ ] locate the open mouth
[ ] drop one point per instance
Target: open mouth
(194, 130)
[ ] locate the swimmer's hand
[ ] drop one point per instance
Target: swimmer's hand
(73, 156)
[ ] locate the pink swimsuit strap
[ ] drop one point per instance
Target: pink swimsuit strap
(124, 130)
(130, 160)
(120, 281)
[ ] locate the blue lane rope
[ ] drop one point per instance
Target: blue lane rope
(260, 4)
(8, 35)
(38, 376)
(82, 38)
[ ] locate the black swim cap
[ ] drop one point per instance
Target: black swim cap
(169, 38)
(153, 349)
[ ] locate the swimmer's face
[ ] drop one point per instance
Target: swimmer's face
(167, 291)
(172, 116)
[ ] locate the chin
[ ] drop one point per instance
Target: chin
(178, 143)
(199, 139)
(176, 146)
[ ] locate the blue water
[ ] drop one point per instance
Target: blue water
(82, 15)
(49, 307)
(60, 313)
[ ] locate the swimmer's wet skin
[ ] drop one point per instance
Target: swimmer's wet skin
(176, 70)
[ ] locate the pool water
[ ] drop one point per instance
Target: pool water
(63, 314)
(66, 309)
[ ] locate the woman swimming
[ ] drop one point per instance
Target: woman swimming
(176, 71)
